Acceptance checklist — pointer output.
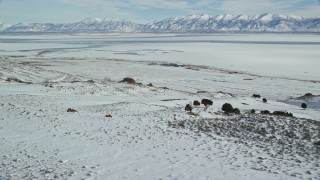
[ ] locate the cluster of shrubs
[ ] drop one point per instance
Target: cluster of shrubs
(227, 108)
(196, 103)
(303, 105)
(259, 96)
(129, 80)
(276, 113)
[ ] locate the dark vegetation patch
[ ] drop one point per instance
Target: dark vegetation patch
(280, 136)
(277, 113)
(91, 81)
(170, 64)
(256, 95)
(317, 142)
(282, 113)
(76, 81)
(307, 96)
(128, 80)
(202, 92)
(236, 111)
(71, 110)
(265, 112)
(304, 105)
(206, 102)
(13, 79)
(171, 99)
(227, 108)
(196, 103)
(188, 108)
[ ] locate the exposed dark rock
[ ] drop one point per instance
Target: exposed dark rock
(196, 103)
(150, 85)
(256, 96)
(206, 102)
(128, 80)
(227, 108)
(253, 111)
(71, 110)
(108, 115)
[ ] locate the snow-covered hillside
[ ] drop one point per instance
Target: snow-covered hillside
(243, 23)
(65, 112)
(193, 23)
(86, 25)
(4, 26)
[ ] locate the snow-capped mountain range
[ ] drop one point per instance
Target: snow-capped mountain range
(190, 24)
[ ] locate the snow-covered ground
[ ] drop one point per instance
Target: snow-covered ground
(150, 135)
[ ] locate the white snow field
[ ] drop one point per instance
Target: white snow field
(149, 134)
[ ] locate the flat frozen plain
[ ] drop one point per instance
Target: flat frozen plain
(150, 136)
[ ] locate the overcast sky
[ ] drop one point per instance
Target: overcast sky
(15, 11)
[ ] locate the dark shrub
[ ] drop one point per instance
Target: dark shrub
(196, 103)
(91, 81)
(256, 96)
(282, 113)
(108, 115)
(206, 102)
(128, 80)
(71, 110)
(236, 111)
(265, 112)
(171, 64)
(253, 111)
(308, 94)
(264, 100)
(188, 108)
(304, 105)
(227, 108)
(317, 143)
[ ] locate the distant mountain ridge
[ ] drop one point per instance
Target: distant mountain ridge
(186, 24)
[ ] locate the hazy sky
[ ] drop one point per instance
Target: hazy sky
(15, 11)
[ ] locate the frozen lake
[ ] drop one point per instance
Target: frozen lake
(287, 55)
